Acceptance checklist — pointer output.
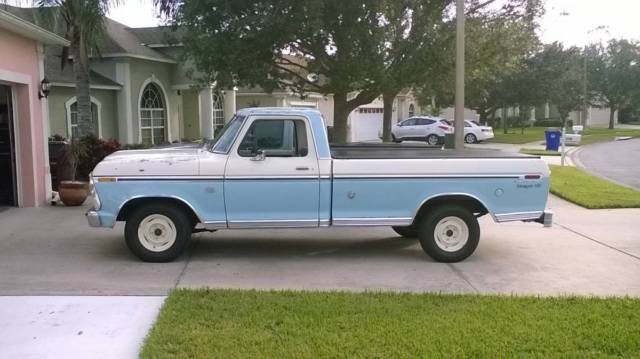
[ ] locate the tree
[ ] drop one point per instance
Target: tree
(84, 27)
(414, 29)
(331, 47)
(557, 74)
(614, 73)
(497, 43)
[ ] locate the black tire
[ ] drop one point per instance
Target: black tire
(406, 231)
(394, 139)
(180, 221)
(470, 138)
(428, 238)
(433, 140)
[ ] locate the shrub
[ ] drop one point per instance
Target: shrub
(136, 146)
(548, 123)
(93, 151)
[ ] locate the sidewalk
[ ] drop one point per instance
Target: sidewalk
(75, 327)
(538, 145)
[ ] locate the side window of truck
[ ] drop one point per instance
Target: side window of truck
(277, 138)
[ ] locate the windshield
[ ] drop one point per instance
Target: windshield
(223, 141)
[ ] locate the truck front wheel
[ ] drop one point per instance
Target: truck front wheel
(449, 233)
(157, 232)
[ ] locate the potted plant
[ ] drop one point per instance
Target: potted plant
(73, 192)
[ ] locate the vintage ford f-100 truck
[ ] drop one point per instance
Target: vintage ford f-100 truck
(274, 168)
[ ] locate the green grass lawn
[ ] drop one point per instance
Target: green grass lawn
(531, 134)
(588, 191)
(256, 324)
(537, 152)
(515, 135)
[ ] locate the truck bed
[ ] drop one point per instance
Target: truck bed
(413, 151)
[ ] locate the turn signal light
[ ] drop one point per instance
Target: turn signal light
(107, 179)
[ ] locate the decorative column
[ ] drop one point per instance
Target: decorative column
(532, 115)
(229, 104)
(400, 115)
(205, 101)
(546, 111)
(125, 105)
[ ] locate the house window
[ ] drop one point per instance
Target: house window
(152, 116)
(412, 110)
(218, 112)
(74, 129)
(370, 109)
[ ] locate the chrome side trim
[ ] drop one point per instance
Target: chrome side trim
(420, 176)
(273, 178)
(415, 213)
(324, 223)
(370, 221)
(165, 178)
(160, 197)
(215, 224)
(274, 223)
(517, 216)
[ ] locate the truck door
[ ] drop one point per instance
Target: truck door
(272, 176)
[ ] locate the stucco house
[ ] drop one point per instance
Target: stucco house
(142, 92)
(24, 166)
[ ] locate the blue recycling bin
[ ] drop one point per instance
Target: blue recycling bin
(552, 138)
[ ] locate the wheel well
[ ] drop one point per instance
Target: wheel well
(131, 205)
(471, 203)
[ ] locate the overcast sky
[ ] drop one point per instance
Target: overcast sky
(569, 21)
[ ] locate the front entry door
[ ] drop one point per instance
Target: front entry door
(272, 176)
(8, 196)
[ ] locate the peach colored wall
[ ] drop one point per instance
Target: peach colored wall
(20, 68)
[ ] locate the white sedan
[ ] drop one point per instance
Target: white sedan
(473, 131)
(429, 129)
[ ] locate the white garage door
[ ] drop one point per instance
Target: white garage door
(366, 124)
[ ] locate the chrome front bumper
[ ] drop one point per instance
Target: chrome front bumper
(93, 218)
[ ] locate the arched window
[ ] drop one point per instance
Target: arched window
(218, 111)
(72, 118)
(412, 110)
(152, 115)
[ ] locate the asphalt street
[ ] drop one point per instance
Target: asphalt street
(618, 161)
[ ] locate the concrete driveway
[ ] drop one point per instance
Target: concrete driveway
(614, 160)
(51, 251)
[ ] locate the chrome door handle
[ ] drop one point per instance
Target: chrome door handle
(302, 168)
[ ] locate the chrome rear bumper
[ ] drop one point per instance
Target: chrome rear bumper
(93, 219)
(546, 219)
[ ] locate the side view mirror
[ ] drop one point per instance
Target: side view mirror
(259, 155)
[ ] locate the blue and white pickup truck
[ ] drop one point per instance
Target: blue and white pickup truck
(274, 168)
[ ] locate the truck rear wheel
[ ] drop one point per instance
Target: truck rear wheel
(406, 231)
(449, 233)
(157, 232)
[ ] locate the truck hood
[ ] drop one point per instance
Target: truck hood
(170, 161)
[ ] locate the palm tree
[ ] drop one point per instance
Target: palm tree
(84, 26)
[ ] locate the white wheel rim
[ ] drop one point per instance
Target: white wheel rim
(451, 234)
(157, 232)
(432, 140)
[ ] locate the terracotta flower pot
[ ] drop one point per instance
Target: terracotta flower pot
(73, 193)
